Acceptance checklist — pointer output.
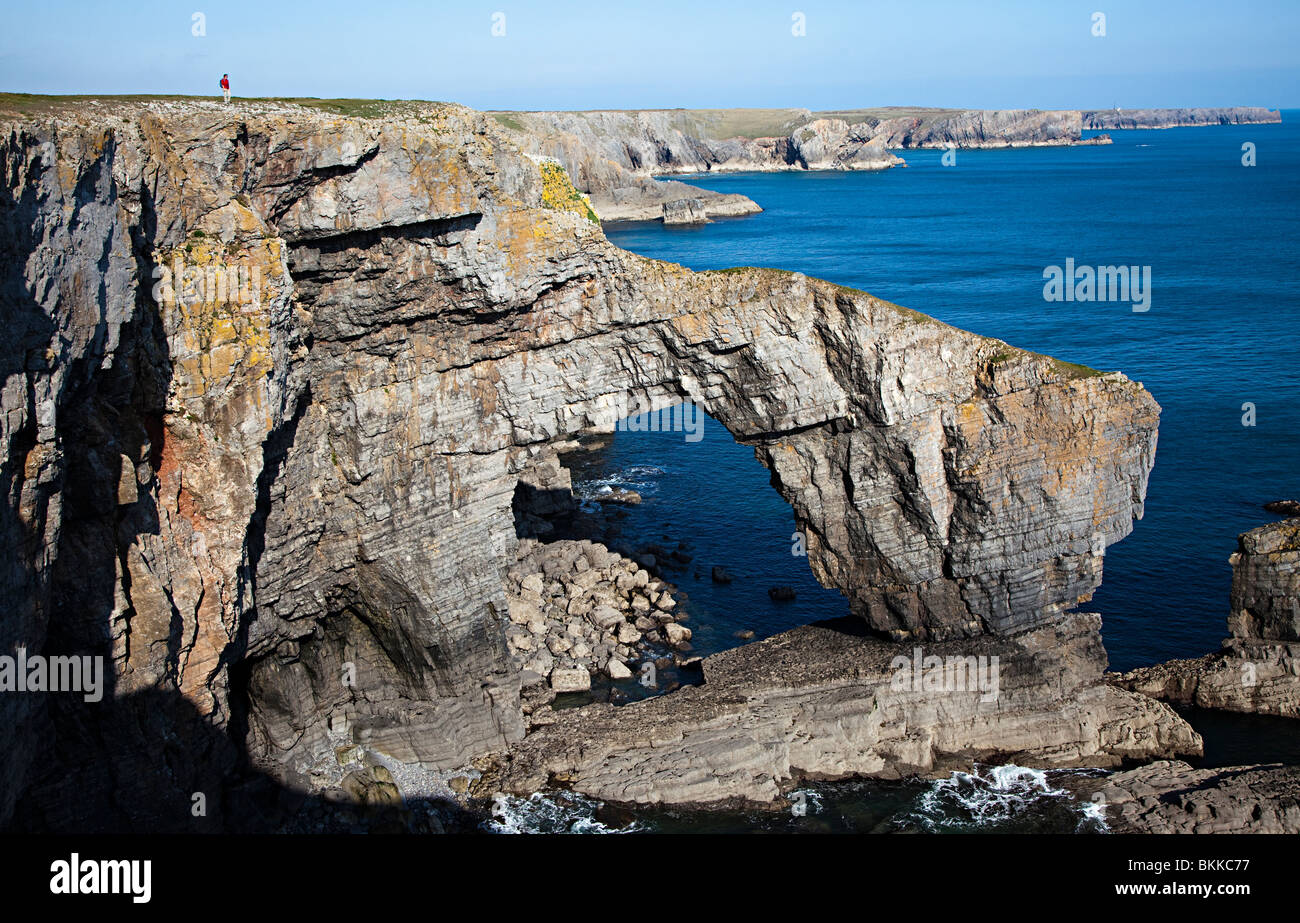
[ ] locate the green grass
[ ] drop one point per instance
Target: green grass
(1067, 370)
(719, 124)
(853, 116)
(508, 121)
(38, 104)
(702, 123)
(33, 104)
(1075, 370)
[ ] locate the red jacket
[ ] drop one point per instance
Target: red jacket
(225, 84)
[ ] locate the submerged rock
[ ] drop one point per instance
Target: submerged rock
(1284, 507)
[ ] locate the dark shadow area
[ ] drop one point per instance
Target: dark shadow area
(136, 765)
(1235, 739)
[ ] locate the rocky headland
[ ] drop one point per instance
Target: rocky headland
(1257, 670)
(1102, 119)
(614, 155)
(284, 395)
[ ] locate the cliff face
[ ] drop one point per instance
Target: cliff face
(281, 507)
(1258, 668)
(1173, 118)
(612, 156)
(977, 128)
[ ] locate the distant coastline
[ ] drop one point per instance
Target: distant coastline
(614, 156)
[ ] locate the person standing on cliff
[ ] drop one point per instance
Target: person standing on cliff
(225, 87)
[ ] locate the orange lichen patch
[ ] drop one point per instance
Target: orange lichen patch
(693, 325)
(215, 300)
(524, 236)
(970, 414)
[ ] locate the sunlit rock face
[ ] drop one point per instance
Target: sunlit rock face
(1257, 670)
(282, 504)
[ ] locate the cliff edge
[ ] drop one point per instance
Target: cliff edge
(273, 376)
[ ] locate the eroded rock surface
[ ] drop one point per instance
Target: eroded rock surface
(1170, 796)
(282, 508)
(821, 703)
(1258, 668)
(577, 605)
(1172, 118)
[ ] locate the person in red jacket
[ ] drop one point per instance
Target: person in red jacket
(225, 87)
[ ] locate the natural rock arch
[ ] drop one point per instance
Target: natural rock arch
(430, 323)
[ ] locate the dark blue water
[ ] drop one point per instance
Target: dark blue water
(714, 495)
(968, 244)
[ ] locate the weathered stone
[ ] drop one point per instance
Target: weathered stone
(1258, 668)
(676, 634)
(685, 211)
(1170, 796)
(628, 634)
(575, 680)
(336, 462)
(817, 702)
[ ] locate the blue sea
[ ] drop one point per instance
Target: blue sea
(968, 244)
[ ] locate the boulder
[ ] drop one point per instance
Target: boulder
(571, 680)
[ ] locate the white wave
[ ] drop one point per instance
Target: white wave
(549, 812)
(809, 799)
(641, 478)
(989, 797)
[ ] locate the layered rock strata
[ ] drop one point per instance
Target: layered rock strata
(1170, 796)
(820, 702)
(1258, 668)
(1173, 118)
(612, 155)
(273, 379)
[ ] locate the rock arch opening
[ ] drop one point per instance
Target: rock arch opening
(658, 541)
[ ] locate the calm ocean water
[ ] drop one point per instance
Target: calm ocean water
(968, 244)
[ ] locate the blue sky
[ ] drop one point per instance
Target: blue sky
(571, 55)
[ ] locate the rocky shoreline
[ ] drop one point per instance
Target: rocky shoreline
(1169, 796)
(1179, 118)
(288, 522)
(1258, 669)
(613, 156)
(822, 702)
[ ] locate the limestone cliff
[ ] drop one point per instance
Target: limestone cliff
(613, 156)
(1173, 118)
(973, 128)
(271, 380)
(1258, 668)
